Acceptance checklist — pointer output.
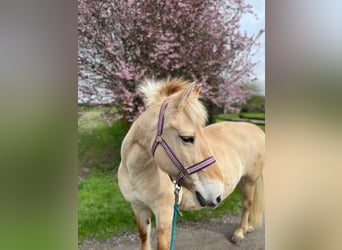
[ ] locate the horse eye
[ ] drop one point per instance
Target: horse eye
(188, 139)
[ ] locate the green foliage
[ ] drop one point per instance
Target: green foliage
(255, 103)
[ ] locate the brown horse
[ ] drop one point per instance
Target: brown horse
(168, 138)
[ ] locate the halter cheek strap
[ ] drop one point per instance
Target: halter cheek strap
(159, 140)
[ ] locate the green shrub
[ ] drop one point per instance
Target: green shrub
(255, 103)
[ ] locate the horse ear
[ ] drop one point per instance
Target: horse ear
(197, 89)
(186, 94)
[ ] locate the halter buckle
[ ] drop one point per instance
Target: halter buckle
(159, 138)
(176, 192)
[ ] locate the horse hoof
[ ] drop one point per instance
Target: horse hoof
(235, 240)
(250, 229)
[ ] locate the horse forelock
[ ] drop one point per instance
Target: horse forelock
(156, 91)
(176, 90)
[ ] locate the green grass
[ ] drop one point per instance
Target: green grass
(98, 144)
(236, 117)
(228, 116)
(230, 205)
(96, 109)
(257, 116)
(102, 211)
(261, 126)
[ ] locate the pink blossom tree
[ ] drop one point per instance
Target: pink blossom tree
(127, 41)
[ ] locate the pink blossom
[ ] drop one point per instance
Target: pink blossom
(199, 40)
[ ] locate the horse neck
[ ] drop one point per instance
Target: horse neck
(144, 131)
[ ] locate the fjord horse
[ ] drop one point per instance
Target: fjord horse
(169, 141)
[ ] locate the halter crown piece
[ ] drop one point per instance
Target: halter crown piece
(159, 140)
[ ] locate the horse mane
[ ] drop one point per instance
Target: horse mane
(156, 92)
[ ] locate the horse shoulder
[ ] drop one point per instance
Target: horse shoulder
(141, 180)
(238, 148)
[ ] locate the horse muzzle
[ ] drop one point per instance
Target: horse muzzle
(207, 202)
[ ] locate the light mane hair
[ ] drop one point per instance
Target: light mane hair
(176, 90)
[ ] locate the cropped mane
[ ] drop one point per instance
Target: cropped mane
(157, 91)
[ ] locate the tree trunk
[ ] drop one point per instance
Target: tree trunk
(211, 109)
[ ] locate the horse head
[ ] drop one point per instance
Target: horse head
(178, 144)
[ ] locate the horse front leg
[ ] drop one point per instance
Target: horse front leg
(247, 188)
(143, 219)
(164, 226)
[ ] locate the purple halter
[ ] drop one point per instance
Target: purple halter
(160, 140)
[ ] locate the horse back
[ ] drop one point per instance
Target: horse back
(240, 146)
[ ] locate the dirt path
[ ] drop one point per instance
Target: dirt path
(212, 234)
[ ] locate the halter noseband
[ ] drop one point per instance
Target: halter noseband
(159, 140)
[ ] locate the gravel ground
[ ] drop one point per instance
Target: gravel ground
(211, 234)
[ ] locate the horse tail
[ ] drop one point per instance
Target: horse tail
(257, 209)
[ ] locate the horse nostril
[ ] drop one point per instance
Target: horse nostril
(200, 199)
(218, 199)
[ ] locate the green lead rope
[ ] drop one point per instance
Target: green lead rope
(174, 220)
(175, 213)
